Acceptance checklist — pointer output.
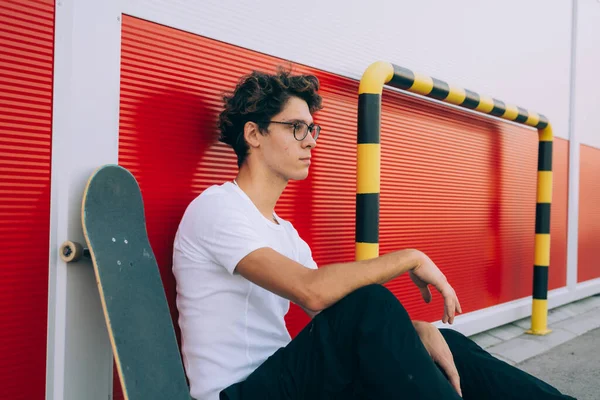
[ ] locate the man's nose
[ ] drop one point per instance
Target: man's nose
(310, 141)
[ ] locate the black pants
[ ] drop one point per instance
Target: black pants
(365, 347)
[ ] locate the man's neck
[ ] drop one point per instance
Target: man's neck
(264, 191)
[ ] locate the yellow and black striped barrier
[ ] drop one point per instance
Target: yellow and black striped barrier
(369, 164)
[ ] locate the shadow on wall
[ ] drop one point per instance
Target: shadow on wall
(494, 246)
(163, 143)
(163, 138)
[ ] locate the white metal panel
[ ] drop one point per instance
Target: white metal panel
(492, 317)
(85, 135)
(587, 89)
(516, 51)
(573, 200)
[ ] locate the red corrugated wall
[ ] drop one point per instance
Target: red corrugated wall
(458, 186)
(462, 189)
(559, 215)
(589, 214)
(26, 63)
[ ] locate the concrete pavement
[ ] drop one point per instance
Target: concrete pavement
(573, 367)
(567, 358)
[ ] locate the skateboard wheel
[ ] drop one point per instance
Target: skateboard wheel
(71, 251)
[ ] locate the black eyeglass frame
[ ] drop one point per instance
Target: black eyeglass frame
(309, 128)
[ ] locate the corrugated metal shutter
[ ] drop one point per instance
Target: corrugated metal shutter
(461, 188)
(557, 275)
(589, 215)
(26, 62)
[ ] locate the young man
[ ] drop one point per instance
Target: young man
(237, 266)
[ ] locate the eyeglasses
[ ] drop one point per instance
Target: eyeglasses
(301, 129)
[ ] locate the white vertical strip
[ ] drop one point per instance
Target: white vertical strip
(573, 202)
(85, 135)
(57, 277)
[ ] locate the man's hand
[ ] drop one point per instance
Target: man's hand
(439, 351)
(427, 273)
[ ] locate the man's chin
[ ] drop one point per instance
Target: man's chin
(300, 176)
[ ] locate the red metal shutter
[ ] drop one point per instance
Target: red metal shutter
(26, 63)
(557, 275)
(462, 188)
(589, 216)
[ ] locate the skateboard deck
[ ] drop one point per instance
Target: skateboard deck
(131, 290)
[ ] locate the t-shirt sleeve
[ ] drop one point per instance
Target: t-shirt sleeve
(305, 254)
(224, 232)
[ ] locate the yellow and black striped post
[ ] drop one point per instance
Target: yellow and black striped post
(369, 164)
(539, 314)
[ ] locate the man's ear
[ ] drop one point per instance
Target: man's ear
(251, 134)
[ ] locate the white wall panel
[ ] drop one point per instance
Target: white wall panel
(513, 50)
(587, 73)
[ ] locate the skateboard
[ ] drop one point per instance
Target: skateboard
(131, 290)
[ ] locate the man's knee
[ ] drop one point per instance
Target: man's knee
(375, 301)
(372, 295)
(366, 311)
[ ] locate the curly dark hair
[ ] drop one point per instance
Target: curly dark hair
(259, 96)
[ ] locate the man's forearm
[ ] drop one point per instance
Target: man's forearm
(333, 282)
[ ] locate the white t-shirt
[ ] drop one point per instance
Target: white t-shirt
(229, 325)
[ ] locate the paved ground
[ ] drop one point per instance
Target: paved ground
(573, 367)
(568, 358)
